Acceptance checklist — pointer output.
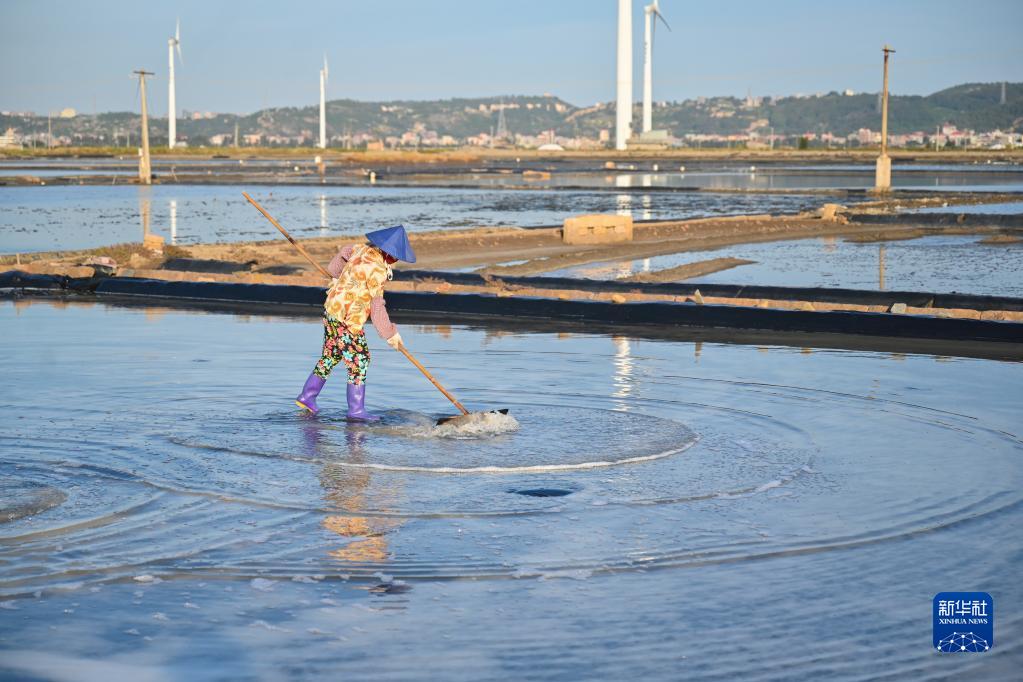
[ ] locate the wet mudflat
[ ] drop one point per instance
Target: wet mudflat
(666, 509)
(940, 264)
(79, 217)
(760, 177)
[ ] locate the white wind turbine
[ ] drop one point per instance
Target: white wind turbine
(653, 13)
(623, 107)
(172, 112)
(323, 104)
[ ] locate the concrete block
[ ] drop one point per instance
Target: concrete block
(829, 211)
(898, 308)
(883, 174)
(153, 242)
(597, 229)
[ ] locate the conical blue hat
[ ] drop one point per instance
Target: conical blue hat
(393, 241)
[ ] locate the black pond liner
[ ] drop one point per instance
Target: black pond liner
(464, 307)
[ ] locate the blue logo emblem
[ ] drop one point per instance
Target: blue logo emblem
(964, 622)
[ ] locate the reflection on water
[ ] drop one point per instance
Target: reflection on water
(623, 372)
(880, 267)
(173, 208)
(345, 489)
(323, 216)
(145, 210)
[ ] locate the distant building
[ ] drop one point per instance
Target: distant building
(9, 140)
(867, 136)
(68, 113)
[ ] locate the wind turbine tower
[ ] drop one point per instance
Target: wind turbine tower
(651, 14)
(623, 107)
(323, 104)
(172, 111)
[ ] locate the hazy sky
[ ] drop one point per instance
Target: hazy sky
(242, 56)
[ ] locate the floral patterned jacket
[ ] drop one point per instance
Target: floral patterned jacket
(357, 292)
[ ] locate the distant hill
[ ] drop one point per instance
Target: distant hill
(974, 106)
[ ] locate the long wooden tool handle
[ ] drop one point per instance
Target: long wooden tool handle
(287, 236)
(436, 383)
(326, 274)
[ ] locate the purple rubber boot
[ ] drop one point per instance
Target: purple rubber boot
(357, 404)
(307, 398)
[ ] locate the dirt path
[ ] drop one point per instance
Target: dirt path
(687, 271)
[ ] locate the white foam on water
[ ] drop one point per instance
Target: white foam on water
(262, 584)
(521, 469)
(477, 425)
(267, 626)
(567, 574)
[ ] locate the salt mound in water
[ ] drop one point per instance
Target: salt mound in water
(476, 425)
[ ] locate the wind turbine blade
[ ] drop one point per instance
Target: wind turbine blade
(177, 40)
(661, 17)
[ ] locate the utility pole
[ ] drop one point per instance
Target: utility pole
(623, 105)
(49, 130)
(883, 172)
(145, 168)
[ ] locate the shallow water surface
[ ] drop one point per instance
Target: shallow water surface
(660, 506)
(78, 217)
(769, 177)
(1000, 208)
(940, 264)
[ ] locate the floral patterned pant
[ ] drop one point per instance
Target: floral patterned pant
(342, 345)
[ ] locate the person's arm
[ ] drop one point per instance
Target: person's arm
(339, 261)
(382, 322)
